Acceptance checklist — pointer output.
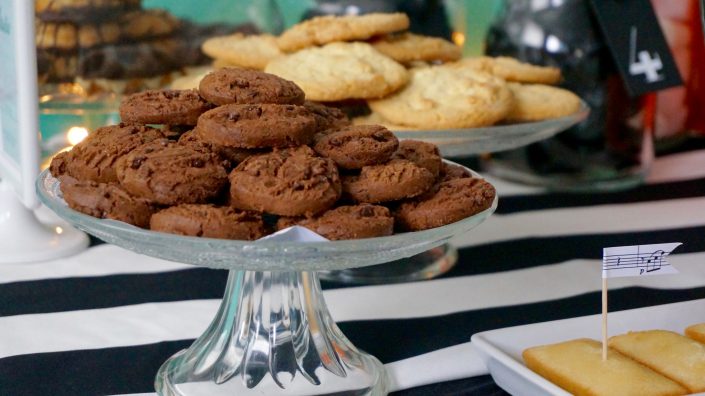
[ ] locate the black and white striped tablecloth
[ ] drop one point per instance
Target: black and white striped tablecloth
(102, 322)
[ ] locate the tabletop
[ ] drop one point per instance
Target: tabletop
(102, 322)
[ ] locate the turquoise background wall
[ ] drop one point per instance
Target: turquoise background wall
(471, 17)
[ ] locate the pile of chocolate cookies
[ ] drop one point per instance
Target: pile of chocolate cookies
(246, 154)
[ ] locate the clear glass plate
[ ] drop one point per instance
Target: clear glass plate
(258, 255)
(471, 141)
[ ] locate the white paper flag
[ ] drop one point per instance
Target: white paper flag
(637, 260)
(294, 234)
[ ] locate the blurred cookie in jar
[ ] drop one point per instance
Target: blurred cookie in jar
(115, 45)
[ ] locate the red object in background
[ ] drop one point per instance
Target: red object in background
(682, 109)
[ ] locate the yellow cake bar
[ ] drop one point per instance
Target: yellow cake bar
(696, 332)
(671, 354)
(577, 367)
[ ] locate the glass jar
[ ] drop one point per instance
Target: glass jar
(91, 53)
(613, 148)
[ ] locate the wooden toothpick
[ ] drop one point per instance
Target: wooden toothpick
(604, 319)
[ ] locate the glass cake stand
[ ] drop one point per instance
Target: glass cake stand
(273, 334)
(455, 143)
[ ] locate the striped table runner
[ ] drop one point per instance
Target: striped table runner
(102, 322)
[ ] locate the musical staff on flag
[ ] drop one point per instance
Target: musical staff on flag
(638, 260)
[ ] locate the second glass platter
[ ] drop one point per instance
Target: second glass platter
(472, 141)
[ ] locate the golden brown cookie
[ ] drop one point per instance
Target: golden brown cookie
(535, 102)
(511, 69)
(291, 182)
(209, 221)
(340, 71)
(328, 29)
(446, 203)
(191, 79)
(376, 119)
(222, 63)
(446, 97)
(409, 47)
(346, 222)
(395, 180)
(251, 52)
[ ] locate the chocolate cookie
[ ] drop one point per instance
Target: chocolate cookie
(95, 157)
(425, 155)
(209, 221)
(169, 173)
(449, 202)
(395, 180)
(347, 222)
(257, 126)
(327, 117)
(452, 171)
(174, 132)
(166, 106)
(57, 166)
(292, 182)
(242, 86)
(359, 145)
(106, 201)
(233, 155)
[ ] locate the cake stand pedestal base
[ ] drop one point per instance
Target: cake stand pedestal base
(273, 335)
(23, 239)
(426, 265)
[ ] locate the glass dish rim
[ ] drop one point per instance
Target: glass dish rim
(503, 131)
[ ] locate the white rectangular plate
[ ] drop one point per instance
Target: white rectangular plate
(501, 349)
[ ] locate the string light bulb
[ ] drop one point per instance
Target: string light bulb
(458, 38)
(75, 135)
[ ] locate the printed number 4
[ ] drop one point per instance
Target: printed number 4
(647, 65)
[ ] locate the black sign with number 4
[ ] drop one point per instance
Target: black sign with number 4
(637, 44)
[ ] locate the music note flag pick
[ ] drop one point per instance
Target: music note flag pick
(637, 260)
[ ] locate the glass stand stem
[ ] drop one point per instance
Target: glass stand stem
(272, 335)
